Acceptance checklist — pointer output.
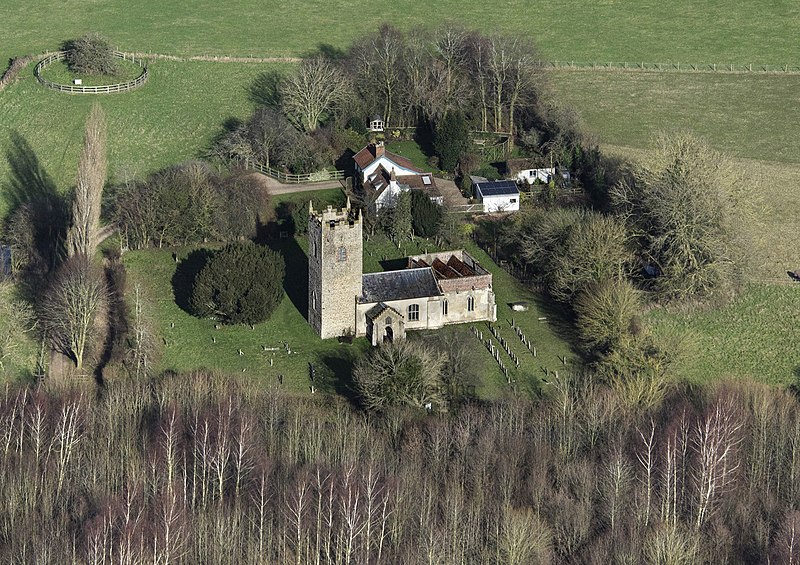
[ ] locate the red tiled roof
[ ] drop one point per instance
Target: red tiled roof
(367, 155)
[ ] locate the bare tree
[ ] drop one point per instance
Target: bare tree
(376, 64)
(16, 320)
(716, 439)
(690, 208)
(82, 237)
(314, 90)
(71, 305)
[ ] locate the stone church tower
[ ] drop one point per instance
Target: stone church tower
(334, 270)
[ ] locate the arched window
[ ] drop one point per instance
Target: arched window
(341, 255)
(470, 304)
(413, 312)
(314, 300)
(444, 307)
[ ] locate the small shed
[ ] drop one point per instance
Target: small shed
(498, 196)
(376, 124)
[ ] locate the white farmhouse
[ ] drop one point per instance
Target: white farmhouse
(498, 196)
(384, 176)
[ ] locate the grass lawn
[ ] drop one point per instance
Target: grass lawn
(411, 151)
(170, 119)
(189, 343)
(759, 31)
(757, 336)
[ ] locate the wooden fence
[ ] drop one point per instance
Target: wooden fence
(676, 67)
(287, 178)
(76, 89)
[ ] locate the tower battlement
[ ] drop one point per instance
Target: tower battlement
(335, 217)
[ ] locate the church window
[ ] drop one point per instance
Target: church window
(444, 307)
(413, 312)
(341, 255)
(471, 304)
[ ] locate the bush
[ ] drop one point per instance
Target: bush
(607, 315)
(242, 283)
(572, 248)
(401, 374)
(91, 54)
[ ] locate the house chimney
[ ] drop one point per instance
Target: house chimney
(379, 150)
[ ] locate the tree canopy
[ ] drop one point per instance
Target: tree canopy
(242, 283)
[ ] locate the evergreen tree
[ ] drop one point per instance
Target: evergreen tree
(241, 284)
(425, 215)
(451, 139)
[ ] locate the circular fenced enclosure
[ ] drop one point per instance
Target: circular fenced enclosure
(100, 89)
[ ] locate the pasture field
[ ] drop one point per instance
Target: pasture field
(754, 337)
(759, 31)
(752, 116)
(170, 119)
(190, 343)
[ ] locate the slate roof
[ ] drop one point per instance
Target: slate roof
(398, 285)
(367, 155)
(376, 311)
(497, 188)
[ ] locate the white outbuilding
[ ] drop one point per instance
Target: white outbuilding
(498, 196)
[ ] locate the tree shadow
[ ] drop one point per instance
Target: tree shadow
(329, 51)
(29, 181)
(265, 89)
(40, 214)
(337, 373)
(185, 273)
(345, 163)
(295, 283)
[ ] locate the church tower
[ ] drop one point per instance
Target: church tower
(334, 270)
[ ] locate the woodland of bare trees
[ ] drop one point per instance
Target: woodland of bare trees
(206, 469)
(417, 80)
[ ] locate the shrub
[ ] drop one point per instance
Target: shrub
(606, 315)
(91, 54)
(400, 373)
(242, 283)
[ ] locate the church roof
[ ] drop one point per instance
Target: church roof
(398, 285)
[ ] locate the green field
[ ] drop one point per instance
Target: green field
(748, 116)
(756, 337)
(170, 119)
(759, 31)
